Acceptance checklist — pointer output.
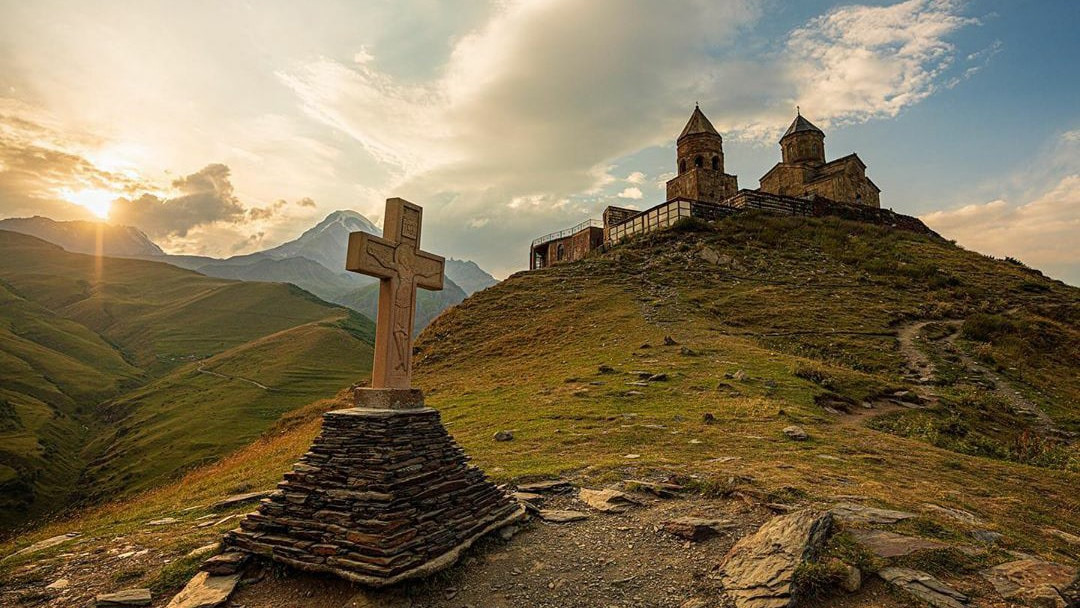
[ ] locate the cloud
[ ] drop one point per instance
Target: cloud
(632, 193)
(1041, 232)
(859, 62)
(206, 197)
(535, 103)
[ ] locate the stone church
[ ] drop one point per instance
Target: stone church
(802, 183)
(803, 170)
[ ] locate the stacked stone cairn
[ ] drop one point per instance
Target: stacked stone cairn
(383, 495)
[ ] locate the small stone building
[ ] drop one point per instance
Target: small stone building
(803, 172)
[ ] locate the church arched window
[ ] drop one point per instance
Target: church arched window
(559, 252)
(699, 162)
(716, 163)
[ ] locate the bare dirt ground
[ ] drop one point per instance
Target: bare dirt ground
(609, 559)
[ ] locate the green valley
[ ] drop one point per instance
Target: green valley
(120, 373)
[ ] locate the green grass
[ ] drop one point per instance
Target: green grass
(99, 357)
(809, 307)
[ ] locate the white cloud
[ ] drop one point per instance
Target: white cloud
(631, 193)
(636, 177)
(859, 62)
(1042, 233)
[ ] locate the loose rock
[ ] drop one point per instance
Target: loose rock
(796, 433)
(554, 486)
(695, 528)
(59, 584)
(504, 436)
(561, 517)
(205, 591)
(853, 513)
(924, 587)
(127, 597)
(162, 522)
(890, 544)
(46, 544)
(225, 564)
(660, 490)
(608, 501)
(239, 499)
(1032, 581)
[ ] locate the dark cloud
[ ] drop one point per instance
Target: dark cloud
(206, 197)
(306, 202)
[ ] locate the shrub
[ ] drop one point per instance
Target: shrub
(983, 327)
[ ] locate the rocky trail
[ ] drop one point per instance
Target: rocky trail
(919, 353)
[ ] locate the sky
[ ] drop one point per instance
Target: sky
(224, 127)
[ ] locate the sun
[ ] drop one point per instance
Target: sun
(95, 200)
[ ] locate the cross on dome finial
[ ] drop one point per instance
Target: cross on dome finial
(797, 111)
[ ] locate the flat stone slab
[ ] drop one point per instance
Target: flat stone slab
(205, 591)
(696, 528)
(853, 513)
(127, 597)
(890, 544)
(561, 516)
(924, 587)
(660, 490)
(541, 487)
(1032, 581)
(239, 499)
(225, 564)
(41, 545)
(759, 570)
(607, 501)
(958, 514)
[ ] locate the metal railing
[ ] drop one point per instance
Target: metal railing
(547, 238)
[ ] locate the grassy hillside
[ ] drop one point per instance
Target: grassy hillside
(686, 353)
(102, 390)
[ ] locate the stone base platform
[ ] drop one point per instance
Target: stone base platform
(383, 495)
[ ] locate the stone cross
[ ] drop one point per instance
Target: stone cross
(397, 261)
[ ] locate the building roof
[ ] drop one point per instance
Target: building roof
(800, 124)
(698, 124)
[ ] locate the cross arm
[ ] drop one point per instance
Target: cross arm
(429, 270)
(370, 255)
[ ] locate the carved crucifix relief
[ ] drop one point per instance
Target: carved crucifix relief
(396, 259)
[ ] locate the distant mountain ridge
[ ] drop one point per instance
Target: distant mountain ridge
(79, 236)
(314, 261)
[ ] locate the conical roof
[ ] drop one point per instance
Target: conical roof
(801, 124)
(698, 124)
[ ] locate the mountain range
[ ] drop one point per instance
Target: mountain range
(314, 261)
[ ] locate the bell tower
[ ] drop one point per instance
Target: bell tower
(700, 161)
(803, 143)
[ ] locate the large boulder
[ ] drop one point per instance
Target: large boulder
(759, 571)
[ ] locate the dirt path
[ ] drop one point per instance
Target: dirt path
(210, 373)
(920, 368)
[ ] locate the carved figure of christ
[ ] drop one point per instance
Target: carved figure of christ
(397, 261)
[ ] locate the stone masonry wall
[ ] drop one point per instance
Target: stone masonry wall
(382, 495)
